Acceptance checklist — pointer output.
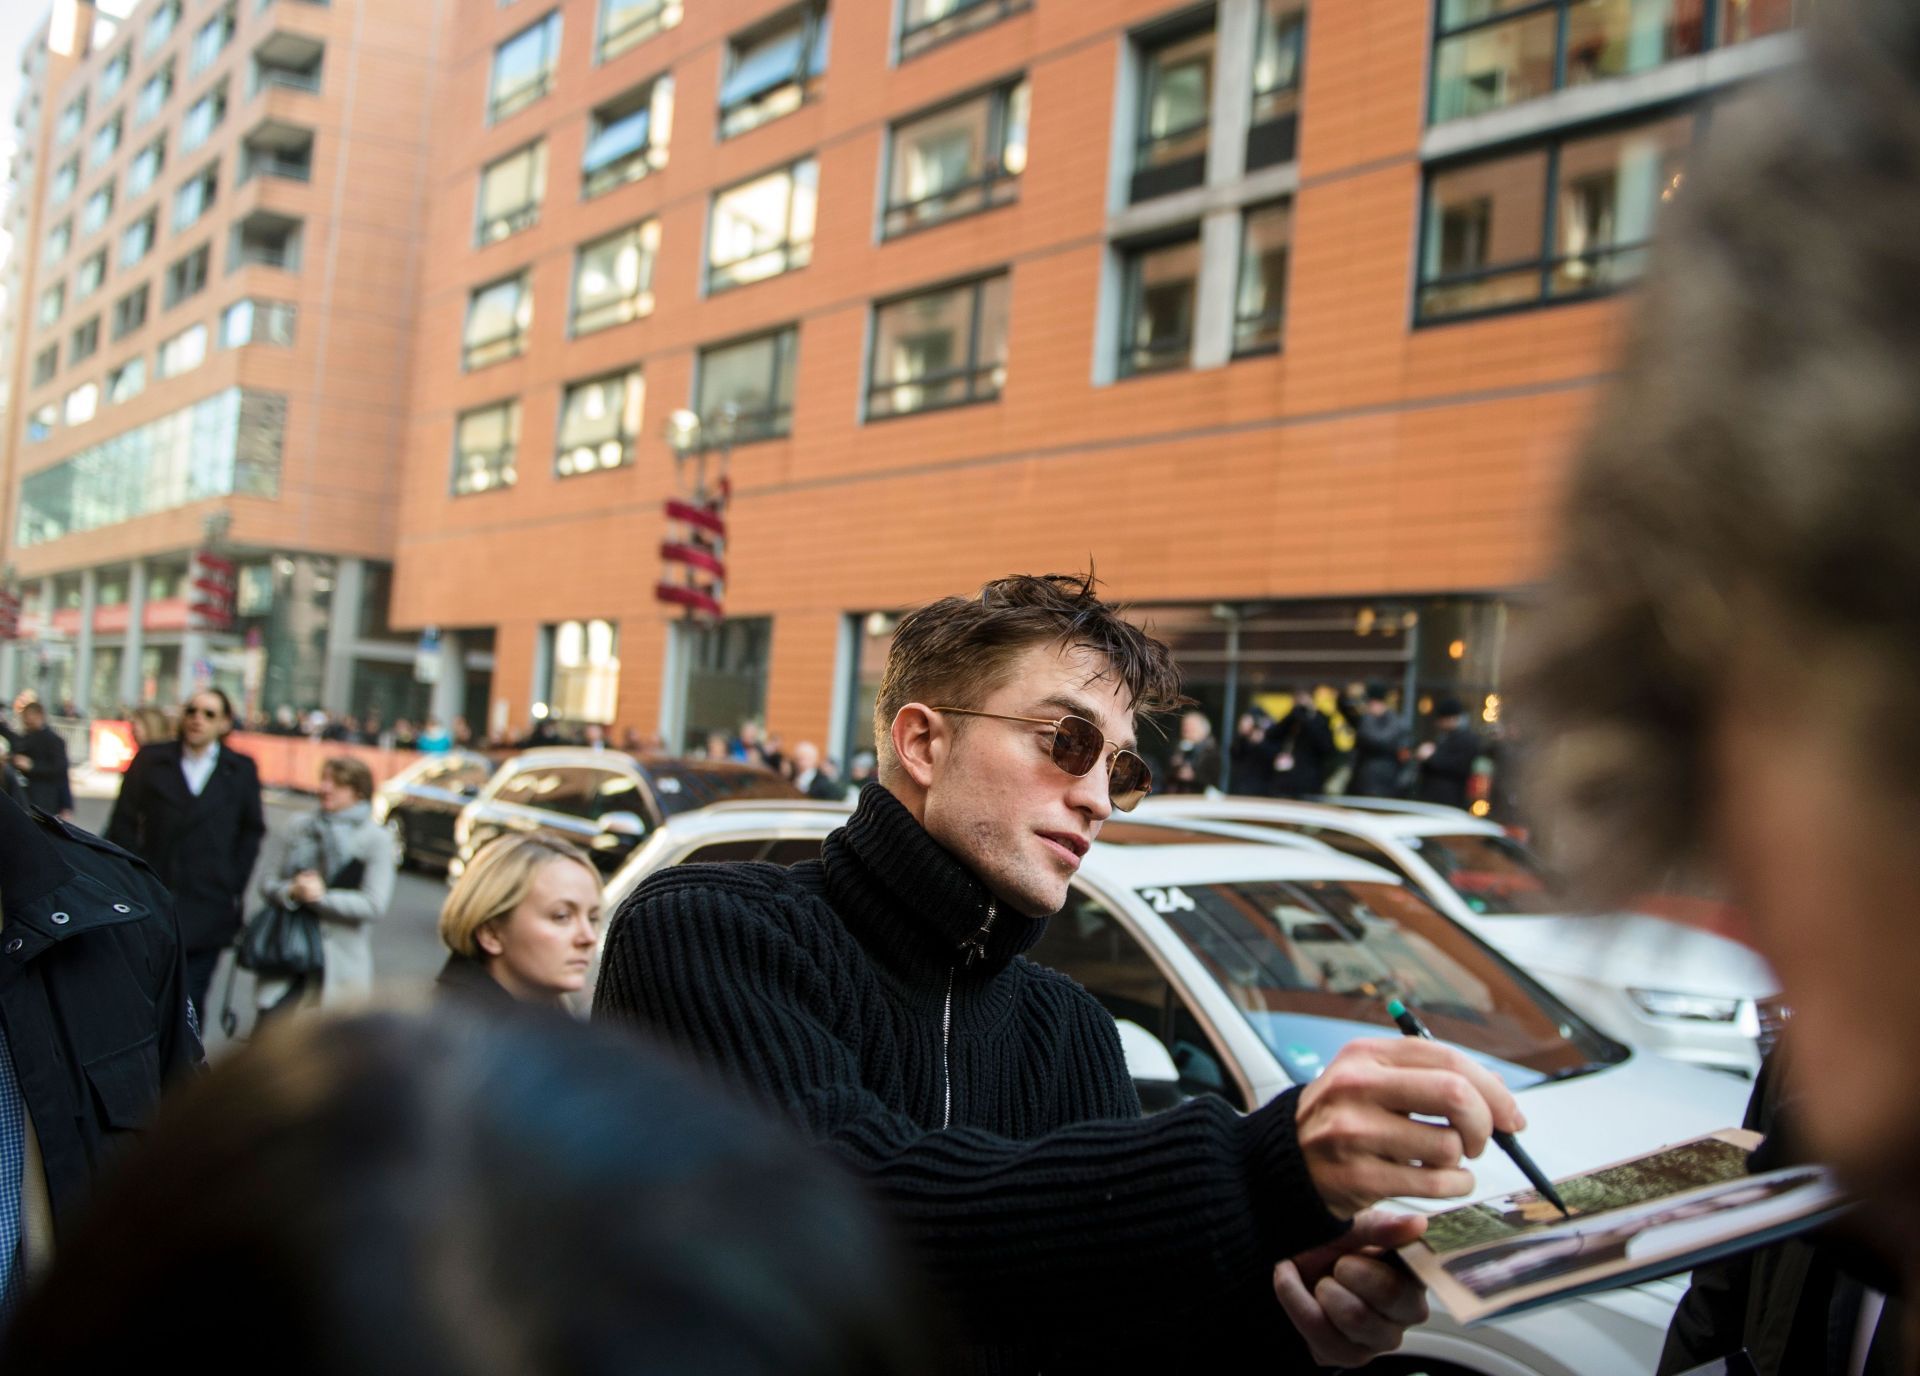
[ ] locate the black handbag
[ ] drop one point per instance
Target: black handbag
(280, 942)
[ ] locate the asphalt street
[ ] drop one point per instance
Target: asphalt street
(406, 947)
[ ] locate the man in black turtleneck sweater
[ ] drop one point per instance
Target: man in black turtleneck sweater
(878, 998)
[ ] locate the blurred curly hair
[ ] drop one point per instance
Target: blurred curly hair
(1750, 489)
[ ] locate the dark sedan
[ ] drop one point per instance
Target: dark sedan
(422, 802)
(604, 801)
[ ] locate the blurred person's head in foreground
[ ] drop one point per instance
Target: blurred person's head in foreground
(462, 1196)
(526, 915)
(1721, 677)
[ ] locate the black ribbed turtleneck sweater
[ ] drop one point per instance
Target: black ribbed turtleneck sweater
(1060, 1226)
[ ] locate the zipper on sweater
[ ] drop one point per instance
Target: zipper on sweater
(975, 948)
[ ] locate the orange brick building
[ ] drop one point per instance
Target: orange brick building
(1285, 315)
(214, 217)
(1247, 341)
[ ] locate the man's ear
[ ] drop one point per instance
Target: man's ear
(919, 738)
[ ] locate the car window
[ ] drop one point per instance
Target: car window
(1087, 943)
(1310, 965)
(1492, 874)
(786, 851)
(435, 775)
(683, 785)
(575, 791)
(793, 850)
(1359, 847)
(1115, 833)
(469, 774)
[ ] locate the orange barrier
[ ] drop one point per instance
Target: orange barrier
(294, 761)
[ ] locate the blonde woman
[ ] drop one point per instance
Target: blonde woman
(522, 923)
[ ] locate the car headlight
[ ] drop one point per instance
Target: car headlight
(1660, 1003)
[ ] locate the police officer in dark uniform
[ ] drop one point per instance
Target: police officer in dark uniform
(94, 1019)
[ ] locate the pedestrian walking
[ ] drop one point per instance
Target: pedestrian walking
(876, 997)
(93, 1019)
(1718, 675)
(191, 808)
(1195, 766)
(340, 865)
(522, 923)
(1446, 761)
(1303, 750)
(459, 1195)
(40, 755)
(1382, 744)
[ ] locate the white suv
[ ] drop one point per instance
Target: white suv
(1658, 984)
(1240, 969)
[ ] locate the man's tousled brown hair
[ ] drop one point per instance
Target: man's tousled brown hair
(958, 651)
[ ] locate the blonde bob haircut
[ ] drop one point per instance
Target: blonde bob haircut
(496, 882)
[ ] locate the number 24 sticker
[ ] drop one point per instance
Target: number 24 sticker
(1168, 900)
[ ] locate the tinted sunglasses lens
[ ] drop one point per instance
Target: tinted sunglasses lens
(1076, 744)
(1129, 782)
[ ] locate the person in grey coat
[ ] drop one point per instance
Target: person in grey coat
(340, 863)
(1382, 744)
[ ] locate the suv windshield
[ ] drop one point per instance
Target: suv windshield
(1494, 875)
(1311, 965)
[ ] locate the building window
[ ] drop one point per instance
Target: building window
(136, 240)
(105, 142)
(624, 23)
(187, 277)
(85, 343)
(613, 278)
(160, 27)
(181, 354)
(511, 189)
(65, 178)
(1567, 220)
(499, 317)
(927, 23)
(98, 209)
(523, 68)
(146, 166)
(1488, 56)
(485, 445)
(1260, 298)
(256, 322)
(202, 118)
(196, 196)
(41, 422)
(1176, 102)
(764, 227)
(772, 70)
(130, 312)
(268, 240)
(1275, 130)
(965, 157)
(127, 381)
(114, 75)
(599, 423)
(749, 381)
(72, 120)
(45, 364)
(627, 137)
(154, 92)
(940, 348)
(1161, 286)
(52, 301)
(59, 240)
(1744, 19)
(226, 444)
(81, 404)
(583, 675)
(212, 40)
(90, 274)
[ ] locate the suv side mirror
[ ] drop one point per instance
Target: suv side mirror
(622, 824)
(1151, 1065)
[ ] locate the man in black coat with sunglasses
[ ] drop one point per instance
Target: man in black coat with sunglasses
(192, 809)
(879, 998)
